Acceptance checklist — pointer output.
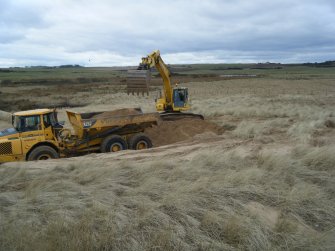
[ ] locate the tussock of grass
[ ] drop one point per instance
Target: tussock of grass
(157, 203)
(302, 117)
(248, 106)
(321, 159)
(251, 129)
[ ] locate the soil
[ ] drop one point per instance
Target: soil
(119, 112)
(169, 132)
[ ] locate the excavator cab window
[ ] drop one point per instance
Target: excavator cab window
(180, 97)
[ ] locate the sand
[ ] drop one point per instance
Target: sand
(169, 132)
(119, 112)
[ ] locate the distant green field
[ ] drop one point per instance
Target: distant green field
(81, 73)
(269, 71)
(101, 74)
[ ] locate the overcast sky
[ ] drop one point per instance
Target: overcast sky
(109, 33)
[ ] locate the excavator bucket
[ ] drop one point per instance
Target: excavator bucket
(138, 81)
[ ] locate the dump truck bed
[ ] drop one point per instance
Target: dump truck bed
(100, 121)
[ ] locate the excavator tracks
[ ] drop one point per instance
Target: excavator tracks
(173, 116)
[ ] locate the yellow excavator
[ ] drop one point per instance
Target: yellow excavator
(174, 100)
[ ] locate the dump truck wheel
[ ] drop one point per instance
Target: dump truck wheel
(140, 141)
(43, 153)
(113, 143)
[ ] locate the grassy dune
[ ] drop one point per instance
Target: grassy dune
(223, 196)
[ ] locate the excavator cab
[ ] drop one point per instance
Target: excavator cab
(180, 97)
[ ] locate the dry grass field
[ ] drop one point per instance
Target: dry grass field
(265, 180)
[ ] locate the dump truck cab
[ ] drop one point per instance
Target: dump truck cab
(31, 129)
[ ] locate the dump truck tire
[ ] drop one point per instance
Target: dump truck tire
(113, 143)
(43, 153)
(139, 141)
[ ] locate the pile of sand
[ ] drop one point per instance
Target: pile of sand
(119, 112)
(169, 132)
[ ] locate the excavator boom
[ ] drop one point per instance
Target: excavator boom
(154, 60)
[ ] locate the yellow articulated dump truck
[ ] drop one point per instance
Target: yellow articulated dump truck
(37, 134)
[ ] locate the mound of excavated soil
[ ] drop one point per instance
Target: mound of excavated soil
(169, 132)
(119, 112)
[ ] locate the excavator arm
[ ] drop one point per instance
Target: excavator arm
(154, 60)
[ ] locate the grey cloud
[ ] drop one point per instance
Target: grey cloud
(16, 18)
(214, 30)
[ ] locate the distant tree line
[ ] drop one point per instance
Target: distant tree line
(70, 66)
(48, 67)
(323, 64)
